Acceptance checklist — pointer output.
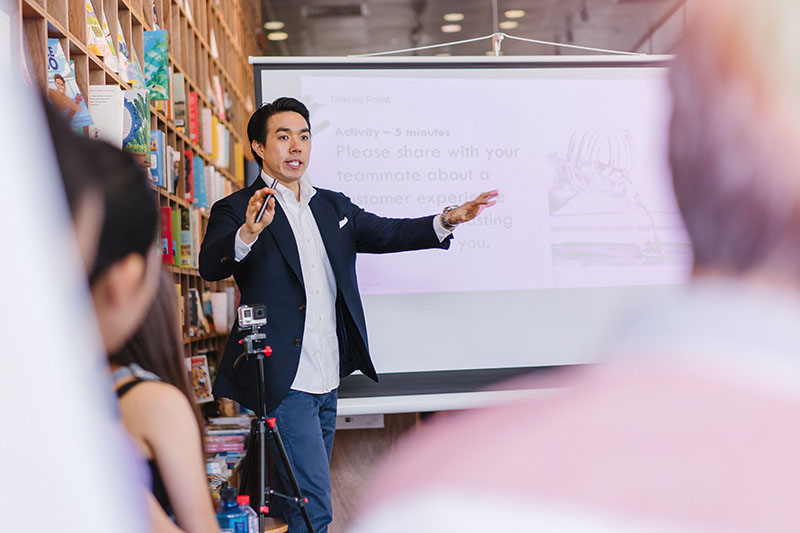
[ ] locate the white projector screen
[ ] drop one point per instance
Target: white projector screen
(586, 225)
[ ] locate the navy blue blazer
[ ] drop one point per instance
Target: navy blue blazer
(271, 275)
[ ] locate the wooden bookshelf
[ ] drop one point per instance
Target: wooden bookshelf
(207, 38)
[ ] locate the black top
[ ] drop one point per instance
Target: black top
(158, 489)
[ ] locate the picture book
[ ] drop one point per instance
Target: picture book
(95, 39)
(179, 100)
(194, 119)
(62, 89)
(185, 247)
(111, 59)
(136, 125)
(198, 170)
(199, 378)
(156, 64)
(107, 107)
(189, 177)
(157, 157)
(129, 68)
(166, 236)
(137, 79)
(176, 235)
(206, 129)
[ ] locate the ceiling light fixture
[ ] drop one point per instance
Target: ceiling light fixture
(451, 28)
(274, 25)
(454, 17)
(277, 36)
(509, 25)
(514, 14)
(444, 54)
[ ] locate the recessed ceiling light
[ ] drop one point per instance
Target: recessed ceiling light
(509, 24)
(444, 54)
(451, 28)
(454, 17)
(514, 14)
(274, 25)
(277, 36)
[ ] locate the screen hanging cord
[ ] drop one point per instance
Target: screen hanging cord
(496, 40)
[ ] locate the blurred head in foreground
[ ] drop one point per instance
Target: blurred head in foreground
(115, 216)
(735, 135)
(689, 423)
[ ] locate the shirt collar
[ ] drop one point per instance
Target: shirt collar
(307, 191)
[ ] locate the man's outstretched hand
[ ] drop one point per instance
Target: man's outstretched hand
(469, 210)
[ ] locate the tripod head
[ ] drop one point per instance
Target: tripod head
(252, 318)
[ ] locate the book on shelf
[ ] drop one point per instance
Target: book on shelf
(136, 124)
(158, 157)
(156, 63)
(110, 60)
(186, 245)
(197, 236)
(199, 378)
(166, 236)
(213, 43)
(223, 150)
(169, 169)
(179, 100)
(174, 162)
(165, 106)
(179, 295)
(219, 102)
(198, 170)
(95, 37)
(194, 118)
(176, 236)
(228, 103)
(219, 311)
(188, 157)
(123, 56)
(214, 138)
(107, 107)
(206, 129)
(238, 162)
(62, 89)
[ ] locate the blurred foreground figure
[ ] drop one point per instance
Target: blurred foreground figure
(691, 422)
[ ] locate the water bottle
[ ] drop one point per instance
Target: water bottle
(231, 518)
(244, 503)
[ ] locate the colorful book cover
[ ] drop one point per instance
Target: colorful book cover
(176, 235)
(189, 177)
(179, 99)
(62, 89)
(214, 138)
(238, 163)
(107, 107)
(199, 173)
(197, 237)
(186, 251)
(136, 124)
(157, 157)
(175, 161)
(95, 39)
(219, 101)
(156, 63)
(200, 378)
(109, 60)
(135, 69)
(166, 236)
(123, 56)
(206, 123)
(194, 118)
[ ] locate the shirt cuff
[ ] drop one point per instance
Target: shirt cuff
(440, 230)
(241, 249)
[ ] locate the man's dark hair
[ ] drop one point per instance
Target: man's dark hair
(257, 126)
(59, 77)
(131, 220)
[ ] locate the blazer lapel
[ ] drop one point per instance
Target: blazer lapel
(328, 224)
(282, 233)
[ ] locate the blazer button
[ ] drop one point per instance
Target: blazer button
(301, 307)
(297, 342)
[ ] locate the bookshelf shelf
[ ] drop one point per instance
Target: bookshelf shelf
(209, 42)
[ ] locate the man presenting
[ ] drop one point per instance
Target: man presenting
(299, 260)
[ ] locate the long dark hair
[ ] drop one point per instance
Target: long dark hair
(157, 345)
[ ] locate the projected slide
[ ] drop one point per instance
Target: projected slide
(580, 163)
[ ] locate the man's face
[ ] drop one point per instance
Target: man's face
(287, 147)
(61, 86)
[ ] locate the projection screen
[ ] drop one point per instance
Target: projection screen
(586, 226)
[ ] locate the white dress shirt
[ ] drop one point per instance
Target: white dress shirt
(318, 371)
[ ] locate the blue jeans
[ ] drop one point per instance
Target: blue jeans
(306, 423)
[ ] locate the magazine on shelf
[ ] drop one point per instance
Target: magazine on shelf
(62, 89)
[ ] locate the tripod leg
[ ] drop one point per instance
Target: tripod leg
(248, 459)
(300, 499)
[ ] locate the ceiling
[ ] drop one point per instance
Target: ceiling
(344, 27)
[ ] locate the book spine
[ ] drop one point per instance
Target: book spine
(194, 119)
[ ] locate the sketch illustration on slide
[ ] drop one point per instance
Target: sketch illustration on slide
(598, 215)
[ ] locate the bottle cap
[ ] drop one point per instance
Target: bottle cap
(228, 493)
(243, 499)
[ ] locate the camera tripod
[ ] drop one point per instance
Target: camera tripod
(262, 428)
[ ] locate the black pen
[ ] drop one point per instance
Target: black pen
(266, 201)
